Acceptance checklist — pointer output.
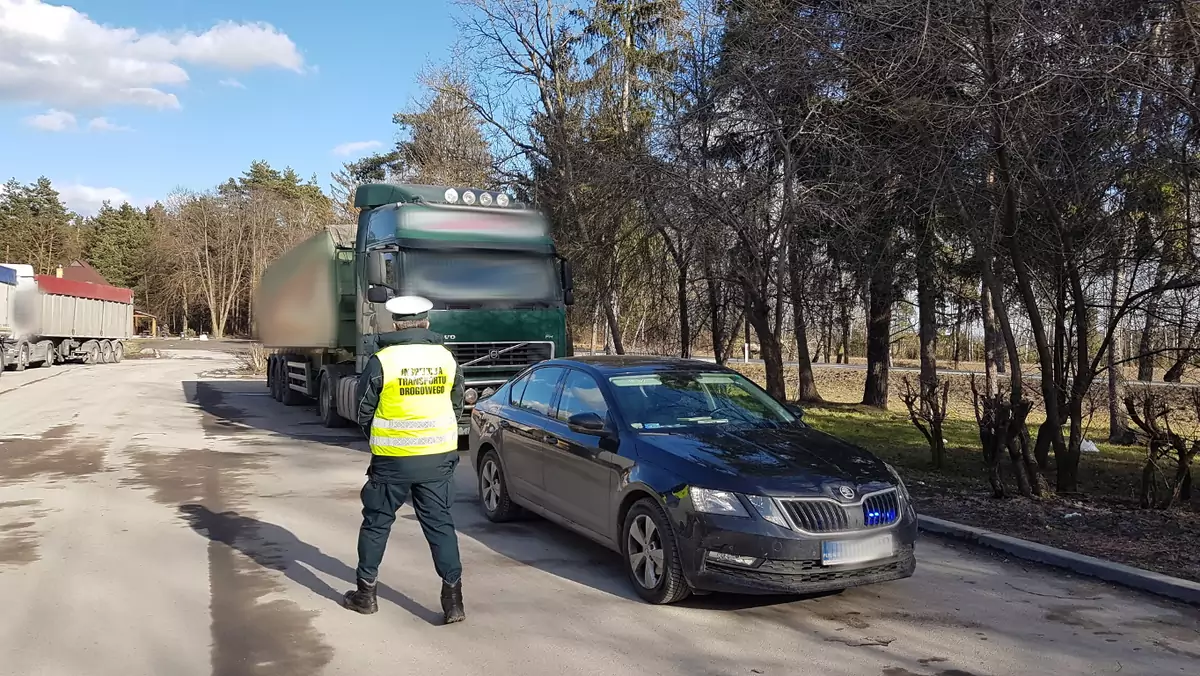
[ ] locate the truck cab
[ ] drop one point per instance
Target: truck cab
(498, 287)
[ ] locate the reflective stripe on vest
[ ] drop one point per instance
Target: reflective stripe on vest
(414, 415)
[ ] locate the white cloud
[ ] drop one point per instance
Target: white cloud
(104, 124)
(52, 120)
(232, 82)
(86, 200)
(58, 56)
(355, 147)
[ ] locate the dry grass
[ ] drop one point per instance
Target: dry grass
(253, 360)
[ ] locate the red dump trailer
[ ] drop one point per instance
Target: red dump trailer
(55, 320)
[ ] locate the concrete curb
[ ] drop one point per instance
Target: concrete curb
(1128, 576)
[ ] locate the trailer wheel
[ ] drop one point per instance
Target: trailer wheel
(288, 396)
(327, 403)
(271, 374)
(51, 353)
(118, 352)
(106, 352)
(93, 354)
(22, 357)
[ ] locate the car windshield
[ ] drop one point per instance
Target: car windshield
(671, 400)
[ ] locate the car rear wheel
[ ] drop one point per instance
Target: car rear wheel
(493, 490)
(652, 556)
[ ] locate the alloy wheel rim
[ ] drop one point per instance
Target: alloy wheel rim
(491, 486)
(645, 551)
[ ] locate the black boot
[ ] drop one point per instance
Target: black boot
(452, 603)
(361, 600)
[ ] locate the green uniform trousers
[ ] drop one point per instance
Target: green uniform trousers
(429, 481)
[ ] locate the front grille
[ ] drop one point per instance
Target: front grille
(818, 516)
(824, 515)
(526, 354)
(881, 509)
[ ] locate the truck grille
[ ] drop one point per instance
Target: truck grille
(528, 353)
(823, 515)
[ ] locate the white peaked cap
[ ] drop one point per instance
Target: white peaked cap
(408, 306)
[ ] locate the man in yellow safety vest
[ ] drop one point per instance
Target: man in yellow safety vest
(410, 396)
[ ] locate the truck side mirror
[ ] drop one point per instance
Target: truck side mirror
(377, 269)
(568, 281)
(379, 294)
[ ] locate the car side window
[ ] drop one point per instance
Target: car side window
(517, 389)
(581, 394)
(539, 392)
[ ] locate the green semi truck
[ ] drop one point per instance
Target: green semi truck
(500, 293)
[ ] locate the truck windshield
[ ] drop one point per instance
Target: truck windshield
(480, 277)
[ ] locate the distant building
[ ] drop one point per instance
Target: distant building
(80, 271)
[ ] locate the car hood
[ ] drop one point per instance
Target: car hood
(794, 460)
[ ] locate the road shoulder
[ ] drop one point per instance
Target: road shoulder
(1128, 576)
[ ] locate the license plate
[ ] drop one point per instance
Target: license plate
(840, 552)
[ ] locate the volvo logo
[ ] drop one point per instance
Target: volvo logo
(846, 492)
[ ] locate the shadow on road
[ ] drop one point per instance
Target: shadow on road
(238, 407)
(277, 548)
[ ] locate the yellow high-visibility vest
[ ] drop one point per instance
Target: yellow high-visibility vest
(414, 415)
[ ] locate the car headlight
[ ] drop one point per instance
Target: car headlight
(899, 481)
(717, 502)
(768, 510)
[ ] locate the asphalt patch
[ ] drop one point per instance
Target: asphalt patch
(52, 455)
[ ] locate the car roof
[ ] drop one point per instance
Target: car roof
(607, 365)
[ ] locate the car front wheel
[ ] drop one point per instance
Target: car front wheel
(493, 490)
(652, 556)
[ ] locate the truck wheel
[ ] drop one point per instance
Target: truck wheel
(106, 353)
(276, 392)
(118, 352)
(327, 403)
(288, 396)
(271, 374)
(93, 354)
(22, 358)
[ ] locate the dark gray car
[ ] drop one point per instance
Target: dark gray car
(694, 474)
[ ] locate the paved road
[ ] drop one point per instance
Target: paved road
(154, 522)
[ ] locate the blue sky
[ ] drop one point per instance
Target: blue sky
(191, 99)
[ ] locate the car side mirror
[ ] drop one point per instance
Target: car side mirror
(796, 411)
(587, 423)
(379, 294)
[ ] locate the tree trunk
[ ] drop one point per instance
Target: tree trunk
(991, 338)
(879, 335)
(715, 316)
(685, 327)
(614, 328)
(808, 384)
(927, 300)
(1118, 423)
(758, 315)
(1146, 356)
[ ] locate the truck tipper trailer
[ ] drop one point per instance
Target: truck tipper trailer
(499, 291)
(53, 320)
